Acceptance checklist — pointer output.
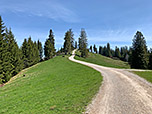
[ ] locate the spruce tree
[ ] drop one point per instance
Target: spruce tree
(83, 43)
(67, 43)
(108, 50)
(49, 47)
(2, 27)
(76, 44)
(91, 49)
(117, 52)
(100, 50)
(39, 44)
(139, 52)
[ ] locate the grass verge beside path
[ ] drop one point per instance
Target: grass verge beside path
(144, 74)
(56, 86)
(103, 61)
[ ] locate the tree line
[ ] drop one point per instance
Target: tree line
(138, 56)
(14, 58)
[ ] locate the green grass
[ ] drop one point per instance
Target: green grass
(56, 86)
(102, 60)
(144, 74)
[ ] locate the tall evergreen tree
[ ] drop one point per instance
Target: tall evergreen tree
(83, 43)
(67, 42)
(117, 52)
(91, 48)
(94, 49)
(100, 50)
(108, 50)
(71, 38)
(76, 44)
(139, 52)
(49, 47)
(2, 28)
(14, 53)
(40, 48)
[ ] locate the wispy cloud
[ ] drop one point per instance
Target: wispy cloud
(46, 8)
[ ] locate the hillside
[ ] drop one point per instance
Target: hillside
(104, 61)
(54, 86)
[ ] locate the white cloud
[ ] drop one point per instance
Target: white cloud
(46, 8)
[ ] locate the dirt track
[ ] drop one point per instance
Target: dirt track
(122, 92)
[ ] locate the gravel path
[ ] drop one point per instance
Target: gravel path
(122, 92)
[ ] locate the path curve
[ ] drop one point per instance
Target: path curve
(122, 92)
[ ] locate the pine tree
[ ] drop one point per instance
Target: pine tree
(83, 43)
(24, 49)
(104, 50)
(91, 49)
(14, 53)
(40, 50)
(71, 38)
(108, 54)
(117, 52)
(76, 44)
(49, 47)
(2, 27)
(67, 43)
(100, 50)
(94, 49)
(139, 52)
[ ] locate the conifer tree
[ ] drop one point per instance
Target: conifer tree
(100, 50)
(67, 43)
(83, 43)
(49, 47)
(108, 50)
(117, 52)
(94, 48)
(139, 52)
(39, 44)
(76, 44)
(91, 48)
(2, 27)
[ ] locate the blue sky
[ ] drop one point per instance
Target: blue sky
(113, 21)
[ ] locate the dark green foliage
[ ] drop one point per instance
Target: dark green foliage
(95, 49)
(83, 44)
(108, 53)
(139, 52)
(49, 47)
(40, 48)
(100, 50)
(117, 52)
(10, 54)
(150, 60)
(76, 45)
(69, 42)
(30, 52)
(91, 49)
(104, 50)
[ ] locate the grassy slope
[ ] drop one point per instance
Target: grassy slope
(58, 83)
(104, 61)
(146, 75)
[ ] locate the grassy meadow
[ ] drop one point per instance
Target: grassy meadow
(103, 61)
(144, 74)
(56, 86)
